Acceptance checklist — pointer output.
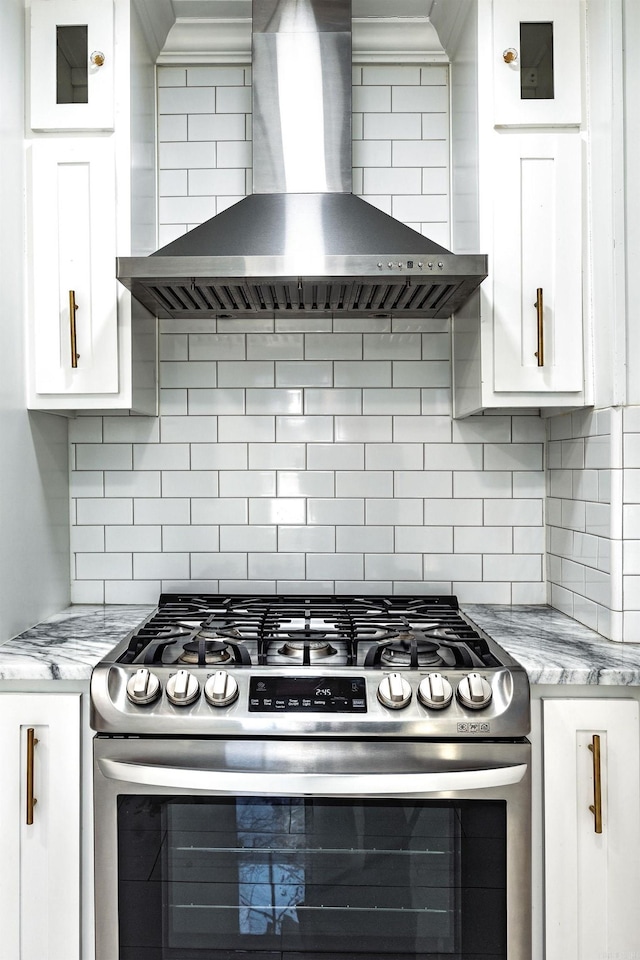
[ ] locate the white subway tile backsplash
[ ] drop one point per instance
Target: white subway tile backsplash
(277, 510)
(394, 512)
(277, 456)
(247, 429)
(420, 373)
(394, 456)
(336, 511)
(306, 483)
(209, 128)
(152, 566)
(233, 99)
(105, 512)
(102, 456)
(424, 539)
(212, 510)
(219, 456)
(384, 74)
(432, 99)
(277, 565)
(189, 483)
(304, 429)
(222, 182)
(304, 373)
(160, 510)
(222, 400)
(216, 75)
(173, 183)
(305, 539)
(372, 153)
(188, 374)
(360, 539)
(334, 566)
(87, 539)
(330, 456)
(103, 566)
(364, 483)
(299, 454)
(88, 483)
(363, 429)
(132, 538)
(214, 566)
(187, 539)
(337, 401)
(392, 126)
(399, 566)
(254, 483)
(254, 538)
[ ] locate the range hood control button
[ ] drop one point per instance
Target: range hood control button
(143, 687)
(182, 688)
(435, 691)
(394, 692)
(221, 689)
(474, 692)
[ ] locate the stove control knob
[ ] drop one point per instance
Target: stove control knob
(182, 688)
(394, 692)
(143, 687)
(221, 689)
(474, 692)
(435, 691)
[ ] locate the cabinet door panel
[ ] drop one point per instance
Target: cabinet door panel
(591, 879)
(40, 877)
(537, 246)
(68, 90)
(73, 238)
(518, 82)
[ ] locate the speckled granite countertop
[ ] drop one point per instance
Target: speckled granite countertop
(552, 647)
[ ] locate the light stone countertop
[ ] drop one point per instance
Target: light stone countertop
(552, 647)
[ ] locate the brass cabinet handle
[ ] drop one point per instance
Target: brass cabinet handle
(596, 806)
(31, 800)
(539, 305)
(73, 306)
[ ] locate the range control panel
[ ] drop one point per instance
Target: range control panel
(313, 694)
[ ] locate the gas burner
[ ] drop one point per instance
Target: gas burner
(398, 652)
(215, 651)
(295, 648)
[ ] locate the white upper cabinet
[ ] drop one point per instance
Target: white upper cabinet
(72, 65)
(75, 342)
(537, 260)
(537, 63)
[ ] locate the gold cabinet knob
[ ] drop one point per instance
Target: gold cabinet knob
(97, 58)
(510, 55)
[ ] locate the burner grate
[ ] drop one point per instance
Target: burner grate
(384, 631)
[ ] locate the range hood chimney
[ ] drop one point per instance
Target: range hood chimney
(302, 243)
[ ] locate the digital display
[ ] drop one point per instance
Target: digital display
(307, 694)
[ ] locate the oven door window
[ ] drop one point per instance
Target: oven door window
(210, 878)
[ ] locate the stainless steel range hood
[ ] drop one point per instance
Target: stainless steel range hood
(302, 242)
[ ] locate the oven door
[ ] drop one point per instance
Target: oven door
(312, 850)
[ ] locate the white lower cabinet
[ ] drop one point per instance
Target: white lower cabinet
(40, 861)
(592, 878)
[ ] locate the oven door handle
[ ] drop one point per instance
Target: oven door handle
(239, 782)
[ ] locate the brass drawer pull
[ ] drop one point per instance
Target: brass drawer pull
(539, 305)
(596, 806)
(31, 800)
(73, 306)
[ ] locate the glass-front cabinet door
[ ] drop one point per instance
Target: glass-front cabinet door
(71, 64)
(267, 878)
(537, 69)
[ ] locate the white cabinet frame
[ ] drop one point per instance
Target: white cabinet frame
(591, 879)
(98, 112)
(40, 874)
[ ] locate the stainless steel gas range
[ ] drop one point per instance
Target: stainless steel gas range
(311, 778)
